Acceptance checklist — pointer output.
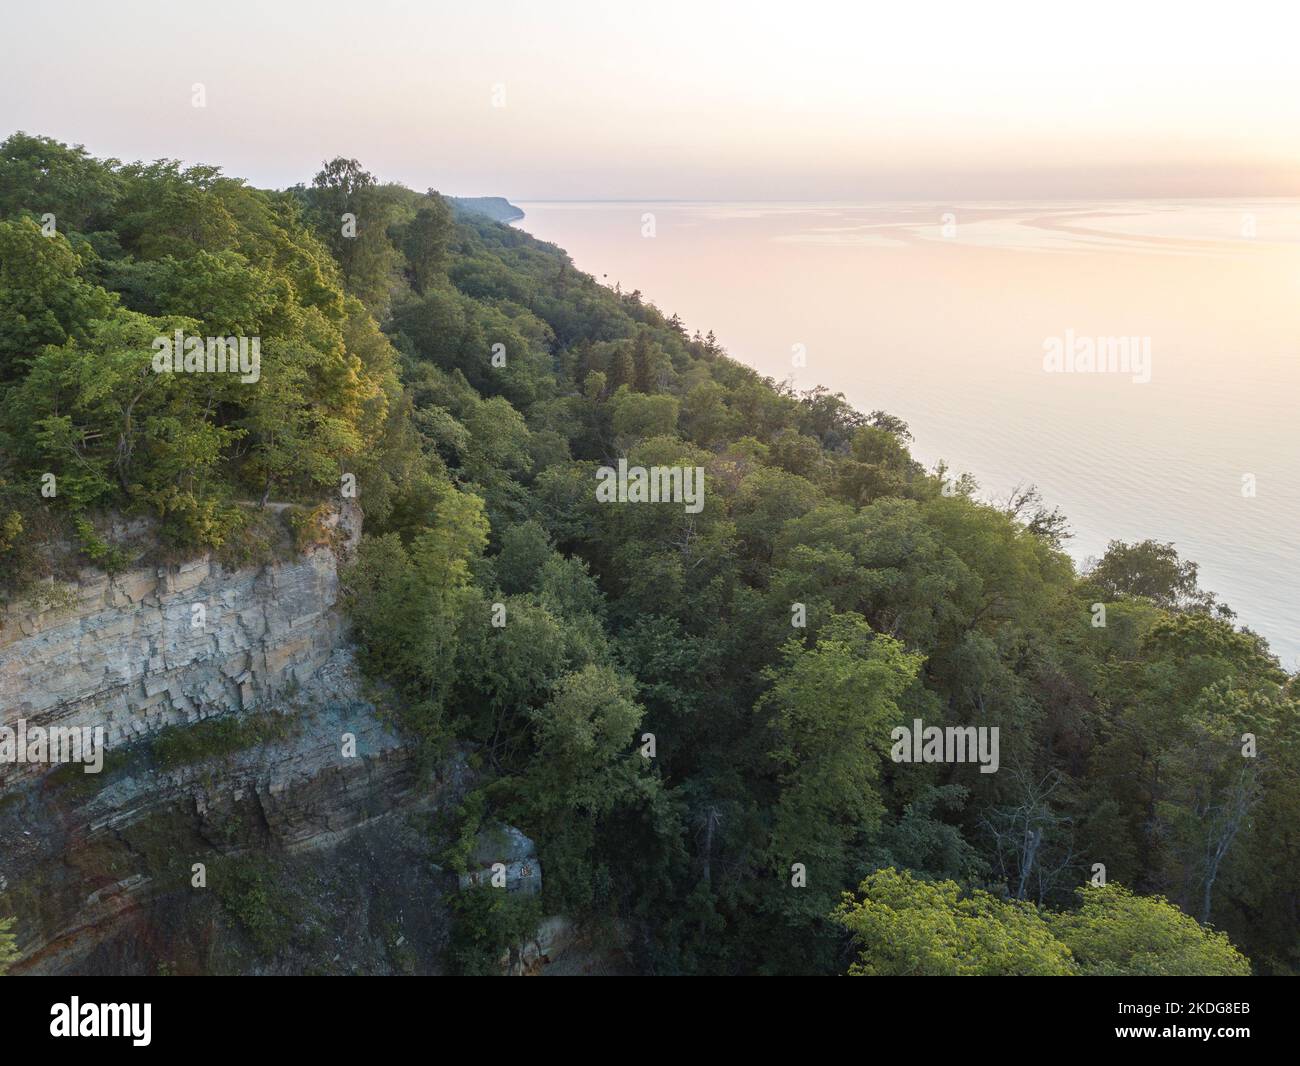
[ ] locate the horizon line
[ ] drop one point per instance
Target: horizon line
(871, 200)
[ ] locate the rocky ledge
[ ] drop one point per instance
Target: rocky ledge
(148, 648)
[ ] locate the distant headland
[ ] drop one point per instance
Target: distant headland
(497, 208)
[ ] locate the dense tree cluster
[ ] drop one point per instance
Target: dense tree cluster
(760, 650)
(908, 927)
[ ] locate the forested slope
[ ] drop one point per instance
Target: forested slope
(690, 712)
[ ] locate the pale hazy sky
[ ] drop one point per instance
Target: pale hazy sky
(694, 100)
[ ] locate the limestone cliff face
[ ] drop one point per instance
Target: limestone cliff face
(156, 647)
(279, 775)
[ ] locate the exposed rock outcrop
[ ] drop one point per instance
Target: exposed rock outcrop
(156, 647)
(504, 851)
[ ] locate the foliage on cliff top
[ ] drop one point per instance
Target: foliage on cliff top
(629, 677)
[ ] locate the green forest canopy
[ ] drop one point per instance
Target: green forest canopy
(1121, 744)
